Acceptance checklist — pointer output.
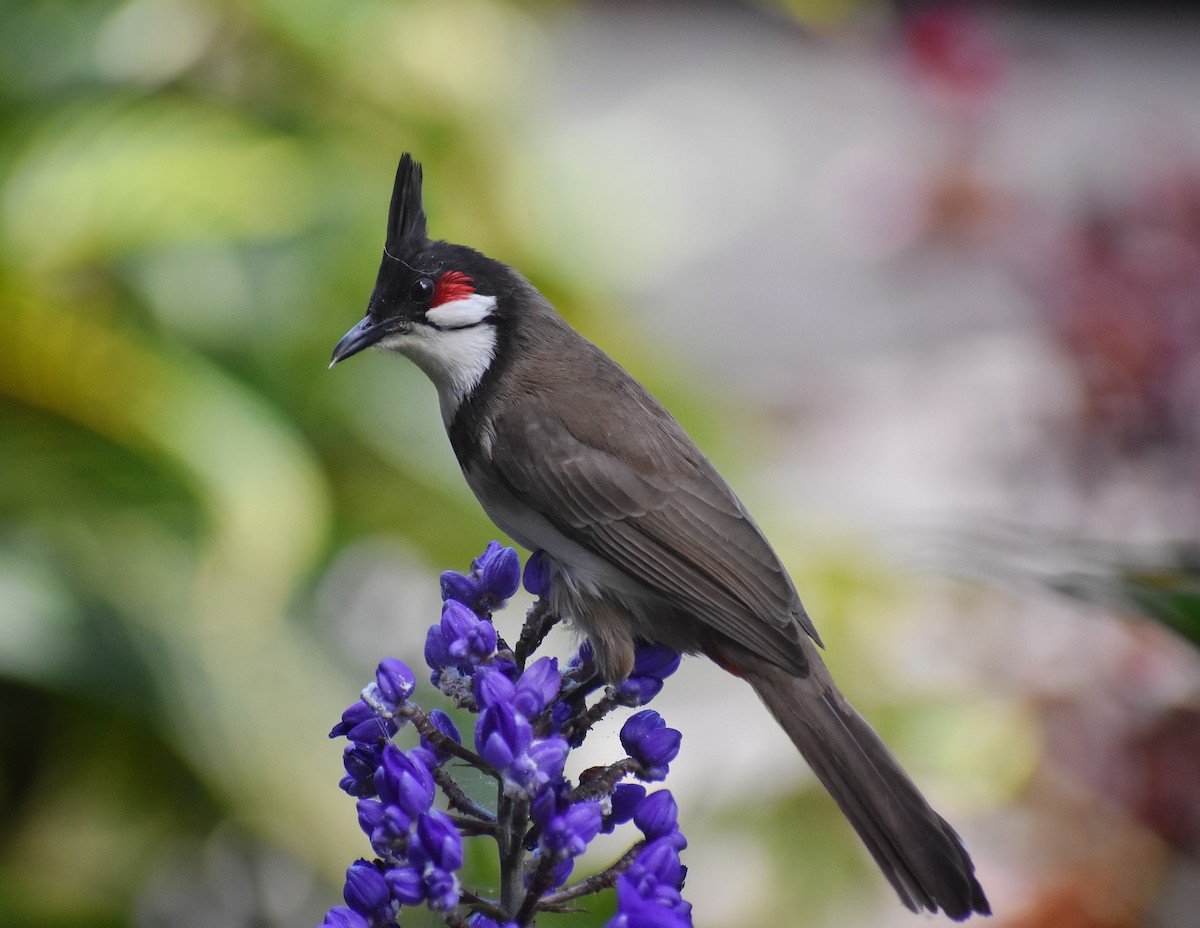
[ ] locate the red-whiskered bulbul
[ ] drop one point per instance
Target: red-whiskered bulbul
(643, 539)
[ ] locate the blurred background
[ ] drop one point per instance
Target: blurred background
(923, 279)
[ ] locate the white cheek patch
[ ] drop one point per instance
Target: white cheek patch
(454, 360)
(458, 314)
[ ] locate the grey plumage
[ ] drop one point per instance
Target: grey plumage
(648, 500)
(916, 849)
(644, 540)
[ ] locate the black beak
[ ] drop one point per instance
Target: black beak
(363, 335)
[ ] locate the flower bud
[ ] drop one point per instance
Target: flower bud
(396, 682)
(660, 860)
(537, 574)
(360, 723)
(492, 687)
(538, 687)
(624, 802)
(441, 889)
(365, 891)
(568, 835)
(658, 817)
(648, 740)
(443, 723)
(343, 917)
(360, 761)
(370, 815)
(500, 573)
(501, 736)
(459, 588)
(406, 885)
(404, 781)
(468, 638)
(440, 840)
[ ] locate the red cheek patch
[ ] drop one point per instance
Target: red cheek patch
(451, 286)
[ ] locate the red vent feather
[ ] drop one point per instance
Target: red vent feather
(451, 286)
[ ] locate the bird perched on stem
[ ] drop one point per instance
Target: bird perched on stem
(643, 539)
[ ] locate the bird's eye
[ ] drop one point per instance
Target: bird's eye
(422, 290)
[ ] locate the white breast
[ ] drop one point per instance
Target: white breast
(454, 359)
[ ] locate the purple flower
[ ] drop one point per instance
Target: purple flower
(538, 687)
(370, 815)
(548, 802)
(468, 638)
(648, 892)
(652, 664)
(648, 740)
(342, 917)
(637, 911)
(492, 687)
(502, 736)
(494, 577)
(365, 891)
(658, 817)
(437, 651)
(504, 739)
(659, 861)
(563, 712)
(390, 837)
(499, 572)
(443, 723)
(482, 921)
(395, 682)
(544, 762)
(404, 781)
(584, 658)
(637, 691)
(655, 660)
(440, 840)
(567, 835)
(460, 588)
(361, 723)
(360, 761)
(624, 802)
(442, 891)
(419, 849)
(560, 873)
(537, 574)
(406, 884)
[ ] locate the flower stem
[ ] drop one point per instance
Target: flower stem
(460, 800)
(538, 623)
(512, 815)
(604, 705)
(600, 781)
(541, 881)
(470, 827)
(484, 906)
(434, 736)
(597, 882)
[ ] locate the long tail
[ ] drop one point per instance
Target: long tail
(917, 850)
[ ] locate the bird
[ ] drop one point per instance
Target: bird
(643, 541)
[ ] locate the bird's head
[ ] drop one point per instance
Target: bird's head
(434, 302)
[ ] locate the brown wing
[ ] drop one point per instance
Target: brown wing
(653, 505)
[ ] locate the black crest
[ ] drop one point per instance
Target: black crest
(406, 218)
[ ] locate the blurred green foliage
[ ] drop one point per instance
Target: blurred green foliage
(192, 197)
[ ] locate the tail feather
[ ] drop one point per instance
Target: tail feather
(917, 850)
